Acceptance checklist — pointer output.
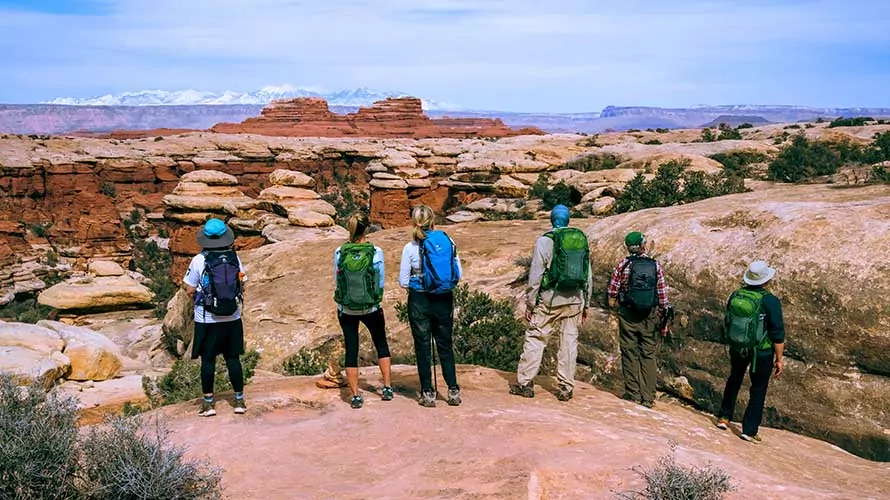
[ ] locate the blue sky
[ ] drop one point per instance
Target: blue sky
(512, 55)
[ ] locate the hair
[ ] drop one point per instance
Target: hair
(636, 249)
(357, 225)
(424, 220)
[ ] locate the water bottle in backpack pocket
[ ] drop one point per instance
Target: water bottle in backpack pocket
(358, 283)
(221, 283)
(438, 263)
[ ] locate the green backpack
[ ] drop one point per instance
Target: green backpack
(744, 320)
(570, 266)
(358, 283)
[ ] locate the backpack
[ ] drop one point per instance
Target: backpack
(438, 263)
(358, 283)
(641, 292)
(744, 320)
(221, 283)
(570, 265)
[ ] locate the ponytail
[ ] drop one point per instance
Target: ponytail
(357, 225)
(424, 220)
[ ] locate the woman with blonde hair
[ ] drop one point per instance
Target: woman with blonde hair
(430, 270)
(359, 278)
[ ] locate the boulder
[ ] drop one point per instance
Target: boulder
(419, 183)
(603, 206)
(287, 193)
(495, 205)
(106, 268)
(388, 183)
(204, 189)
(97, 293)
(464, 216)
(93, 356)
(32, 352)
(30, 336)
(278, 233)
(210, 177)
(509, 187)
(291, 178)
(306, 218)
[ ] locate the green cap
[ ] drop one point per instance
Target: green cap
(635, 238)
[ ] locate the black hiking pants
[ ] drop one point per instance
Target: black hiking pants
(376, 325)
(757, 396)
(213, 339)
(432, 316)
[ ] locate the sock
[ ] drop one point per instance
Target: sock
(208, 399)
(239, 395)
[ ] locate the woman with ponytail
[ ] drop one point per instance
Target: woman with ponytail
(359, 279)
(431, 301)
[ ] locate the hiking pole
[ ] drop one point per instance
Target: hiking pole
(433, 360)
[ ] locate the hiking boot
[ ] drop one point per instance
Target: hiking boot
(648, 404)
(751, 439)
(428, 399)
(454, 396)
(564, 394)
(526, 391)
(207, 409)
(240, 407)
(630, 397)
(357, 401)
(386, 393)
(723, 424)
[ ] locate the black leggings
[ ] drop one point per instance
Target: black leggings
(375, 323)
(208, 370)
(432, 317)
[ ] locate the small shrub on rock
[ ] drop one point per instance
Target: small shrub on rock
(804, 159)
(857, 121)
(304, 362)
(737, 163)
(183, 381)
(728, 133)
(550, 196)
(669, 480)
(592, 162)
(673, 185)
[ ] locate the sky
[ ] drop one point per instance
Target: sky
(508, 55)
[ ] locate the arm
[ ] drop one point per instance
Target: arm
(661, 287)
(405, 267)
(191, 279)
(775, 327)
(615, 286)
(536, 272)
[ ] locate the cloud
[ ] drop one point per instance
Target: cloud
(561, 55)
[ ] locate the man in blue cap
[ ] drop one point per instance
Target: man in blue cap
(215, 278)
(557, 298)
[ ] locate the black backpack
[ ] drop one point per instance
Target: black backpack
(641, 292)
(221, 283)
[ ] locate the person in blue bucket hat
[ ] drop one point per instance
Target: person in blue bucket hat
(215, 279)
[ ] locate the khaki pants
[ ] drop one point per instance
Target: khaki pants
(545, 320)
(637, 337)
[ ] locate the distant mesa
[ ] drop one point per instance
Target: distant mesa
(391, 117)
(736, 120)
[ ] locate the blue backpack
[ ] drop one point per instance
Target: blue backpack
(220, 283)
(438, 262)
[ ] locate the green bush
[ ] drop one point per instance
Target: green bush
(589, 142)
(668, 480)
(41, 230)
(183, 381)
(665, 189)
(133, 459)
(108, 189)
(879, 150)
(550, 196)
(738, 163)
(157, 265)
(880, 175)
(25, 311)
(486, 330)
(592, 162)
(304, 362)
(38, 442)
(707, 135)
(850, 122)
(804, 159)
(744, 126)
(662, 130)
(728, 133)
(652, 142)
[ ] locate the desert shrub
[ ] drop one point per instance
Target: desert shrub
(344, 200)
(707, 135)
(633, 130)
(486, 330)
(38, 437)
(25, 311)
(52, 258)
(125, 459)
(108, 189)
(550, 196)
(183, 381)
(793, 126)
(879, 150)
(662, 130)
(880, 174)
(673, 185)
(304, 362)
(669, 480)
(738, 162)
(157, 265)
(41, 230)
(857, 121)
(728, 133)
(159, 138)
(744, 126)
(804, 159)
(652, 142)
(596, 161)
(589, 142)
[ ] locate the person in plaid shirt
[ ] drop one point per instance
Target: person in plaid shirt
(637, 298)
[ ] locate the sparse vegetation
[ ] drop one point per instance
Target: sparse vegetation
(850, 122)
(25, 311)
(707, 135)
(589, 142)
(595, 161)
(304, 362)
(342, 197)
(804, 159)
(550, 196)
(737, 163)
(183, 381)
(728, 133)
(524, 263)
(673, 185)
(157, 265)
(41, 230)
(652, 142)
(108, 189)
(159, 139)
(669, 480)
(744, 126)
(662, 130)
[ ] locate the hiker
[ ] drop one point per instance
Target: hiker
(359, 278)
(557, 298)
(215, 278)
(637, 299)
(430, 270)
(755, 333)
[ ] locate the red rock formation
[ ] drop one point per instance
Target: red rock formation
(393, 117)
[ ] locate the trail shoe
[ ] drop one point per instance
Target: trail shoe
(723, 424)
(526, 391)
(357, 401)
(751, 439)
(428, 399)
(240, 407)
(207, 409)
(564, 394)
(648, 404)
(387, 394)
(630, 397)
(454, 396)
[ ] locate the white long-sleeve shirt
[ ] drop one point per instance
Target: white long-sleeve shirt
(410, 272)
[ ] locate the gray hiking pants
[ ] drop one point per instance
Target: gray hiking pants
(546, 319)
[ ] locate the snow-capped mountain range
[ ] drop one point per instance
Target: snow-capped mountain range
(356, 97)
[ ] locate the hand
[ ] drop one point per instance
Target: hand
(778, 365)
(613, 321)
(584, 314)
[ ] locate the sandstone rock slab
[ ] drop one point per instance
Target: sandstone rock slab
(291, 178)
(210, 177)
(98, 293)
(93, 356)
(106, 268)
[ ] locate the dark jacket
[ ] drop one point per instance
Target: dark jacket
(774, 322)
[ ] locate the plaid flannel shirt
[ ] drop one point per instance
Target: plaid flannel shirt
(622, 273)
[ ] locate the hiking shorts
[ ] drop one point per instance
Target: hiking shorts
(212, 339)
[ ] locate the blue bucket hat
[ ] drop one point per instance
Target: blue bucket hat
(559, 216)
(215, 234)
